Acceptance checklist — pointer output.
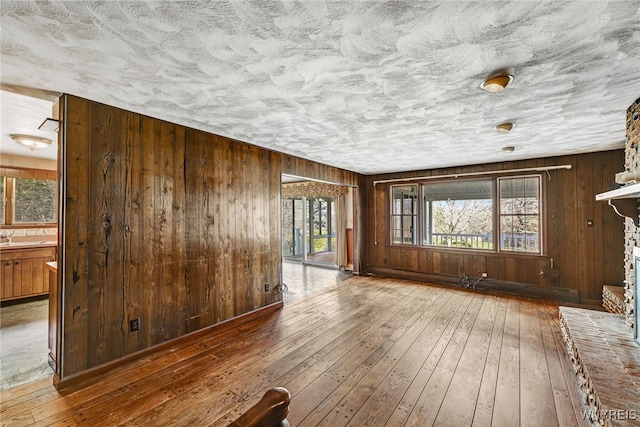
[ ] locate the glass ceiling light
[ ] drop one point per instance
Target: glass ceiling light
(496, 83)
(31, 142)
(504, 127)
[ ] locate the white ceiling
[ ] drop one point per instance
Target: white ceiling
(369, 86)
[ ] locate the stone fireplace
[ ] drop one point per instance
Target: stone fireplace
(604, 347)
(625, 200)
(632, 230)
(636, 290)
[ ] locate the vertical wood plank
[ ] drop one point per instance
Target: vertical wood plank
(105, 271)
(151, 329)
(196, 162)
(131, 178)
(76, 167)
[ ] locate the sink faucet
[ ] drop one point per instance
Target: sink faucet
(7, 236)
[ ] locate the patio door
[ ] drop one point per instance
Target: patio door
(308, 229)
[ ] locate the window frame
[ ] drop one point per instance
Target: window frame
(420, 231)
(424, 224)
(416, 215)
(540, 216)
(9, 175)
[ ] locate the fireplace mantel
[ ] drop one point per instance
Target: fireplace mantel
(623, 200)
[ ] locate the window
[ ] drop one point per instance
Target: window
(28, 199)
(458, 214)
(493, 214)
(520, 214)
(320, 226)
(404, 214)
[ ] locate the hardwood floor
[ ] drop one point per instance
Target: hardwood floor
(368, 351)
(306, 280)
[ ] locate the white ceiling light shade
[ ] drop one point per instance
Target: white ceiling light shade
(504, 127)
(496, 83)
(30, 141)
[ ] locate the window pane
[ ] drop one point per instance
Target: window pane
(404, 214)
(459, 214)
(404, 199)
(34, 201)
(2, 197)
(520, 214)
(519, 195)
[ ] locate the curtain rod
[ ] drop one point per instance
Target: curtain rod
(457, 175)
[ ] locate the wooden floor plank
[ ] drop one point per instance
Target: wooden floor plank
(536, 394)
(506, 406)
(484, 406)
(430, 401)
(366, 351)
(462, 394)
(443, 332)
(559, 386)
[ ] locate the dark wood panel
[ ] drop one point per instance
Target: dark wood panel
(75, 168)
(104, 293)
(587, 256)
(169, 225)
(133, 233)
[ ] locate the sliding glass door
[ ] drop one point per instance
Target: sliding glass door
(308, 226)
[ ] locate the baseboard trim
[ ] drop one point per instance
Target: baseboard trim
(94, 374)
(492, 285)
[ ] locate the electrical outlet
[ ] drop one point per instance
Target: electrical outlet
(134, 324)
(266, 287)
(485, 275)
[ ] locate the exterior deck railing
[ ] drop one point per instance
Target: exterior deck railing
(512, 242)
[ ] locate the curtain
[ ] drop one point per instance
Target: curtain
(341, 230)
(339, 195)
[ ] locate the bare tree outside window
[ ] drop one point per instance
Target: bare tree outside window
(463, 218)
(459, 214)
(34, 201)
(520, 214)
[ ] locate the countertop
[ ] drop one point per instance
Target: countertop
(27, 245)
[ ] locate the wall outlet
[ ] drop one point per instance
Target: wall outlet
(134, 324)
(266, 287)
(485, 275)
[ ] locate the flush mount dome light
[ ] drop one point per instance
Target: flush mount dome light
(496, 83)
(508, 149)
(31, 142)
(504, 127)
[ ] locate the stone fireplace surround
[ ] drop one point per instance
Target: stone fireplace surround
(601, 345)
(632, 232)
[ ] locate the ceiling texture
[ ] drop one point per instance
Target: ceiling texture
(368, 86)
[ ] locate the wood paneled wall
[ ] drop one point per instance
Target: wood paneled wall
(177, 227)
(587, 257)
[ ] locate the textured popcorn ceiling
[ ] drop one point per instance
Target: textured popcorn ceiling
(368, 86)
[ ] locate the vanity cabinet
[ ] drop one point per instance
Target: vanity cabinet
(23, 272)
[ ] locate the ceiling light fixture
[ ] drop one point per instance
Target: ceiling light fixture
(508, 149)
(31, 142)
(504, 127)
(496, 83)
